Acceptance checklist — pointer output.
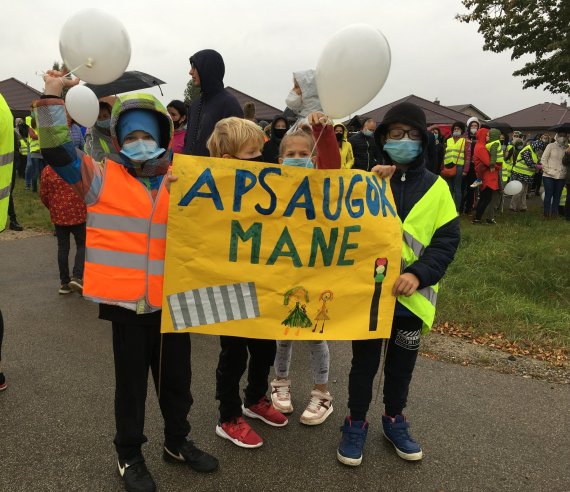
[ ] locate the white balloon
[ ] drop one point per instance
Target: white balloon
(82, 105)
(513, 188)
(97, 43)
(352, 68)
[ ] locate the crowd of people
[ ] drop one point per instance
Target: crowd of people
(92, 188)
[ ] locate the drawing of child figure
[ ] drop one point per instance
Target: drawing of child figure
(298, 315)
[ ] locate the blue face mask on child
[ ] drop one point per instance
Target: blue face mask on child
(141, 150)
(104, 124)
(298, 162)
(403, 151)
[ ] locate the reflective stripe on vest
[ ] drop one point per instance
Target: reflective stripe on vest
(435, 209)
(126, 240)
(6, 159)
(521, 166)
(454, 152)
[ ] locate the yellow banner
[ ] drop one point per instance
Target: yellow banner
(277, 252)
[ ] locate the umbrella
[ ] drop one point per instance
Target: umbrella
(502, 126)
(561, 127)
(129, 81)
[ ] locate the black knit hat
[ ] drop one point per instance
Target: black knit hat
(406, 113)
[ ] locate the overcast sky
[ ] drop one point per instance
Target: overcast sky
(263, 42)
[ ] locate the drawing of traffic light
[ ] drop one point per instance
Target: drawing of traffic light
(380, 271)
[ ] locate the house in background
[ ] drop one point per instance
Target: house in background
(263, 111)
(538, 118)
(470, 110)
(19, 96)
(436, 114)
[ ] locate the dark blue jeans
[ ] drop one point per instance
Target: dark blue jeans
(33, 169)
(552, 193)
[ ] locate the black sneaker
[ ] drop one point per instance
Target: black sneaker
(3, 384)
(136, 476)
(491, 221)
(475, 221)
(76, 285)
(65, 289)
(198, 460)
(14, 226)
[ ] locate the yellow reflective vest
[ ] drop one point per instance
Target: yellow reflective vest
(454, 152)
(6, 158)
(508, 165)
(520, 165)
(435, 209)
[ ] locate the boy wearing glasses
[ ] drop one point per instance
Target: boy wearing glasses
(430, 240)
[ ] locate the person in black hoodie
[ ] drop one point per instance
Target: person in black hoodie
(279, 127)
(366, 153)
(430, 240)
(214, 104)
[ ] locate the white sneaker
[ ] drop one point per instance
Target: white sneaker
(476, 183)
(318, 409)
(281, 395)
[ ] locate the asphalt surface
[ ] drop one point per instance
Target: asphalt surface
(480, 430)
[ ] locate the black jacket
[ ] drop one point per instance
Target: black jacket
(365, 150)
(215, 102)
(271, 148)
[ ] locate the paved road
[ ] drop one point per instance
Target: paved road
(480, 430)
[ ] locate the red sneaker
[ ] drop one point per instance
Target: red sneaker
(240, 433)
(263, 410)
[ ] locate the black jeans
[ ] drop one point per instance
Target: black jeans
(1, 334)
(11, 209)
(485, 199)
(231, 366)
(136, 347)
(400, 362)
(63, 233)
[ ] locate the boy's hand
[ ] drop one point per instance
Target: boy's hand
(406, 285)
(318, 118)
(383, 171)
(170, 178)
(55, 81)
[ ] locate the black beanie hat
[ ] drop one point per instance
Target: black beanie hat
(459, 124)
(406, 113)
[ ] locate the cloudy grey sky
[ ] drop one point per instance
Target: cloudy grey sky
(263, 42)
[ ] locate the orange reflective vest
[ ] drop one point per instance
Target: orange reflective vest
(126, 241)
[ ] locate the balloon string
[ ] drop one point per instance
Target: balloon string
(43, 74)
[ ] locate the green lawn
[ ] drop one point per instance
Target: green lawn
(511, 278)
(30, 211)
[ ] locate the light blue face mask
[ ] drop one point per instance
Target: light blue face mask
(298, 162)
(403, 151)
(104, 124)
(141, 150)
(367, 133)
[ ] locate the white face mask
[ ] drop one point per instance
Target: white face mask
(562, 140)
(294, 101)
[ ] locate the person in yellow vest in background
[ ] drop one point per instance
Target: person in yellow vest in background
(6, 164)
(98, 142)
(526, 164)
(454, 161)
(345, 147)
(127, 211)
(431, 236)
(509, 158)
(34, 165)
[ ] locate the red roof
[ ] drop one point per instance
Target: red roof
(18, 95)
(435, 113)
(263, 111)
(539, 117)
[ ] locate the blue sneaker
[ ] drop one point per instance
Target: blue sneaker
(396, 431)
(352, 442)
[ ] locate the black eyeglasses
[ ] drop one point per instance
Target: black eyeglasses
(398, 134)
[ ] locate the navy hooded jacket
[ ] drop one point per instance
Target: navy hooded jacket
(214, 104)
